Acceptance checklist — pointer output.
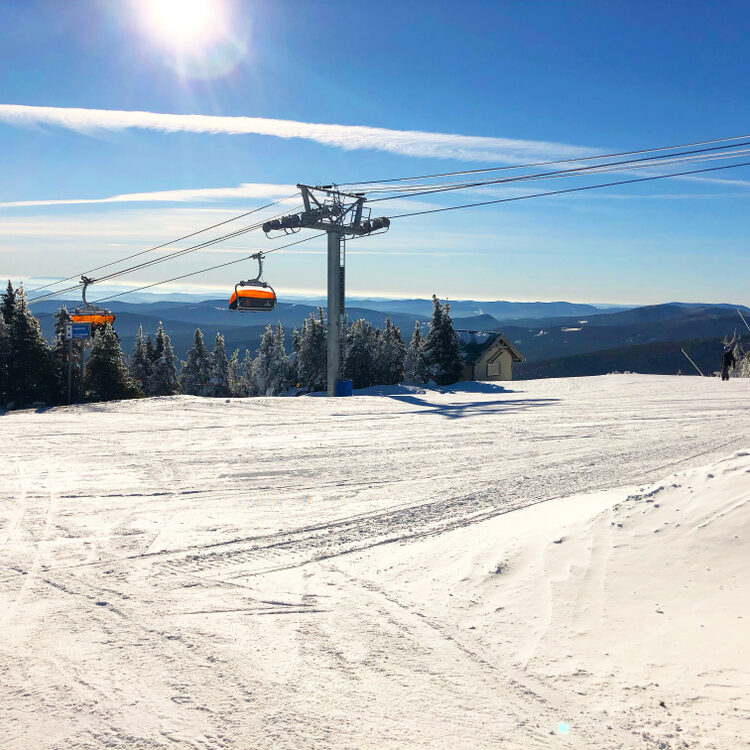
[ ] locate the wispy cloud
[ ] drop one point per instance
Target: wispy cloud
(348, 137)
(194, 195)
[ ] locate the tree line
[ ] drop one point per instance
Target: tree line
(34, 372)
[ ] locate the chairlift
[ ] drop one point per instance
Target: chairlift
(97, 317)
(254, 295)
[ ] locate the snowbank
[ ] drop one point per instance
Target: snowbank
(415, 568)
(626, 611)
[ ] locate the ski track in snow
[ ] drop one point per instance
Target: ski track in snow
(184, 572)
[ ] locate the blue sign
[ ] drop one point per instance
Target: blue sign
(78, 331)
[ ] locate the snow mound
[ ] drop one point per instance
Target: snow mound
(385, 571)
(626, 609)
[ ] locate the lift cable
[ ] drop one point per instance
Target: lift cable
(547, 163)
(211, 268)
(396, 216)
(570, 190)
(666, 161)
(436, 210)
(184, 251)
(165, 244)
(155, 261)
(146, 264)
(592, 169)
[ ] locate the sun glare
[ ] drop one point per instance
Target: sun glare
(185, 23)
(201, 39)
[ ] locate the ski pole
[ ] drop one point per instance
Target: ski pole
(692, 363)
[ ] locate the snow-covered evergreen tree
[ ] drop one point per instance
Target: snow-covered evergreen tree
(150, 352)
(218, 380)
(362, 359)
(415, 366)
(196, 370)
(4, 360)
(292, 371)
(107, 377)
(313, 352)
(741, 368)
(31, 373)
(392, 354)
(281, 358)
(442, 348)
(140, 365)
(234, 370)
(158, 347)
(248, 379)
(163, 380)
(7, 303)
(270, 366)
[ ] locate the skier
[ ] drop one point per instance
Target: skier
(727, 361)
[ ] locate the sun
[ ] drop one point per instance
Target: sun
(184, 23)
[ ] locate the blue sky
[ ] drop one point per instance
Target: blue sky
(408, 85)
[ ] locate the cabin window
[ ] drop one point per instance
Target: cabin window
(493, 370)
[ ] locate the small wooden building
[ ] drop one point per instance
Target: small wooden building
(488, 356)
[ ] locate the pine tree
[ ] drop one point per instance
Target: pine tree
(7, 304)
(150, 351)
(741, 368)
(234, 371)
(196, 370)
(392, 354)
(158, 349)
(31, 373)
(141, 365)
(107, 377)
(442, 348)
(270, 366)
(312, 358)
(292, 369)
(282, 361)
(361, 364)
(248, 380)
(4, 361)
(415, 366)
(163, 381)
(218, 382)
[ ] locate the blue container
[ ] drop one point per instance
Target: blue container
(343, 387)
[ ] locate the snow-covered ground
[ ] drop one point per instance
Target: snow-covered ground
(559, 563)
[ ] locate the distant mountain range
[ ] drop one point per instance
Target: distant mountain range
(557, 338)
(659, 358)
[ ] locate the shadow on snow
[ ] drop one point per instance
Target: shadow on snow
(411, 395)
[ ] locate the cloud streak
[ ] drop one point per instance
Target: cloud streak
(413, 143)
(189, 195)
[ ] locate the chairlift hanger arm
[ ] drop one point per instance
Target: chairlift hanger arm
(258, 280)
(86, 282)
(329, 189)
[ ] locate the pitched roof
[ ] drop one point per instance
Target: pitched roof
(475, 343)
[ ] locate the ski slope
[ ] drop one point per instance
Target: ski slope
(557, 563)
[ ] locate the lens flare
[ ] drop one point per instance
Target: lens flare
(202, 38)
(184, 23)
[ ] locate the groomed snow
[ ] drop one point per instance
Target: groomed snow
(557, 563)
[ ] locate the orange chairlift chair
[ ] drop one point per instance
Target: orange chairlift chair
(88, 313)
(254, 295)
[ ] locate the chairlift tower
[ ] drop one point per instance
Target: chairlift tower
(339, 215)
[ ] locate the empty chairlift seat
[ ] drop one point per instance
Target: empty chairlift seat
(254, 295)
(96, 317)
(252, 298)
